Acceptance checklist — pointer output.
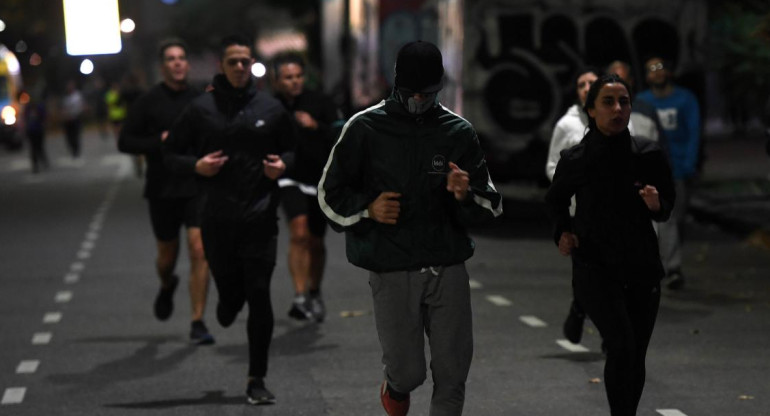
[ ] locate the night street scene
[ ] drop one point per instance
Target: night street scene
(385, 207)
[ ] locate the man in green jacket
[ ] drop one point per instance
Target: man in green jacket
(405, 179)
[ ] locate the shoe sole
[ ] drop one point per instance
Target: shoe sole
(260, 401)
(208, 340)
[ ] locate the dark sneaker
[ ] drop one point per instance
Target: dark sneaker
(675, 281)
(573, 325)
(164, 302)
(300, 309)
(199, 334)
(257, 393)
(317, 308)
(392, 406)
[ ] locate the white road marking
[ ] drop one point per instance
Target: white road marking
(52, 317)
(570, 346)
(475, 284)
(670, 412)
(41, 338)
(499, 300)
(27, 366)
(14, 395)
(533, 321)
(77, 266)
(71, 278)
(87, 245)
(19, 164)
(83, 254)
(63, 296)
(92, 236)
(95, 226)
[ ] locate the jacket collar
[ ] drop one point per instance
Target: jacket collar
(223, 89)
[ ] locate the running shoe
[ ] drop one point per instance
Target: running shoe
(199, 334)
(573, 325)
(392, 406)
(164, 302)
(317, 307)
(301, 308)
(257, 393)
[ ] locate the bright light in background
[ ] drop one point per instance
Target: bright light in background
(127, 26)
(92, 27)
(258, 69)
(2, 25)
(86, 67)
(35, 59)
(21, 46)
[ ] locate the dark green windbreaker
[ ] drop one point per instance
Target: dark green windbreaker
(386, 149)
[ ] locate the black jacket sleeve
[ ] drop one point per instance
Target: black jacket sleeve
(134, 137)
(182, 136)
(483, 202)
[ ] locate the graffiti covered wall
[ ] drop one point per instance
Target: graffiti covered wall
(520, 59)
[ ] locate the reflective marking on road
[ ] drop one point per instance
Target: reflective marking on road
(499, 300)
(83, 254)
(41, 338)
(77, 266)
(92, 236)
(475, 284)
(570, 346)
(71, 278)
(63, 296)
(52, 317)
(14, 395)
(27, 366)
(670, 412)
(533, 321)
(87, 245)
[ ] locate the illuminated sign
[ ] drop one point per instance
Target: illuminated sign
(92, 27)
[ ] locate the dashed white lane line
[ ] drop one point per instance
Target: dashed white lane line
(63, 296)
(533, 321)
(71, 278)
(41, 338)
(27, 366)
(570, 346)
(499, 300)
(77, 266)
(92, 236)
(83, 254)
(475, 284)
(52, 317)
(670, 412)
(14, 395)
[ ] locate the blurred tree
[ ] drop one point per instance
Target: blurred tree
(739, 50)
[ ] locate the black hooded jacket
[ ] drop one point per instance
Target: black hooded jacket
(612, 222)
(246, 125)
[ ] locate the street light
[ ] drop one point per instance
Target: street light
(127, 26)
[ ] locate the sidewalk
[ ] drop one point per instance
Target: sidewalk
(734, 190)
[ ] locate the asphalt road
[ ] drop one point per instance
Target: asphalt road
(78, 336)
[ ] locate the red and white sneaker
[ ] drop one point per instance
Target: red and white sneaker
(393, 407)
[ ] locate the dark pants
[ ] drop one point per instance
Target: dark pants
(624, 314)
(242, 258)
(72, 134)
(37, 150)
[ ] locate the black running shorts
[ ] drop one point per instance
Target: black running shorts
(168, 215)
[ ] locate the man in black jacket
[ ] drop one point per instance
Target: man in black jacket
(314, 115)
(405, 179)
(242, 142)
(171, 197)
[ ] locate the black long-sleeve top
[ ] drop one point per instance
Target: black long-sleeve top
(149, 116)
(246, 125)
(313, 146)
(612, 222)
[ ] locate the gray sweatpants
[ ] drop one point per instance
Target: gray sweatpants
(409, 305)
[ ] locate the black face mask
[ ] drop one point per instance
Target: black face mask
(406, 98)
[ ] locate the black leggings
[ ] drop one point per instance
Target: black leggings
(242, 260)
(624, 314)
